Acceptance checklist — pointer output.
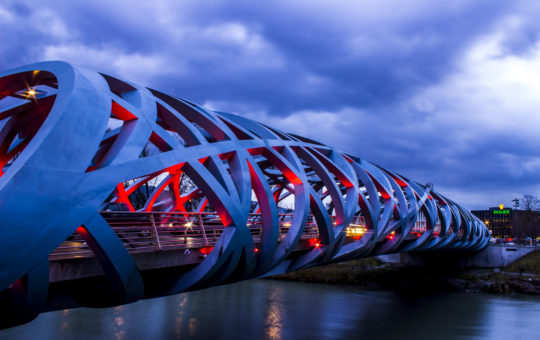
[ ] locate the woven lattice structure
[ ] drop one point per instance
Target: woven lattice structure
(77, 145)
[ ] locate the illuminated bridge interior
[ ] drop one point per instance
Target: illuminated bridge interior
(142, 232)
(111, 192)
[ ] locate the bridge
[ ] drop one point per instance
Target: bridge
(111, 192)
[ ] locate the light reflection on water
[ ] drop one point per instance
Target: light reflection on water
(119, 322)
(273, 322)
(267, 309)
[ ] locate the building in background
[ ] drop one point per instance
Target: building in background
(510, 223)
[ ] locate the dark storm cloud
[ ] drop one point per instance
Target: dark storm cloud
(17, 44)
(358, 62)
(392, 81)
(329, 56)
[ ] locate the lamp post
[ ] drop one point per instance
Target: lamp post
(516, 205)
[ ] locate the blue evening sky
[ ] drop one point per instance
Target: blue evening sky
(441, 91)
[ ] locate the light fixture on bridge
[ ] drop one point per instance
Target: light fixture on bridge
(315, 242)
(206, 250)
(355, 230)
(30, 93)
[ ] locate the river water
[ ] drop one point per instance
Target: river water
(270, 309)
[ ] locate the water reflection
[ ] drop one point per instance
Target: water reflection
(180, 315)
(266, 309)
(273, 322)
(65, 323)
(119, 321)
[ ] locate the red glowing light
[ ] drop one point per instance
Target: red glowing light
(121, 113)
(391, 235)
(206, 250)
(256, 250)
(82, 231)
(314, 242)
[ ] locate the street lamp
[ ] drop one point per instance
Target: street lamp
(516, 205)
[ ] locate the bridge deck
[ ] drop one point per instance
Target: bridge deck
(146, 232)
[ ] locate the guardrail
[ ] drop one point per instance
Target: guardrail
(143, 232)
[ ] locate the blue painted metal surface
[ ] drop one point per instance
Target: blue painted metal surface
(74, 143)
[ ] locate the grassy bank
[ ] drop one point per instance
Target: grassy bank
(529, 263)
(371, 274)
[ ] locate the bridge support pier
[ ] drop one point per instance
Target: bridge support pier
(490, 257)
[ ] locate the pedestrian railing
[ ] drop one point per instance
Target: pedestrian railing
(143, 232)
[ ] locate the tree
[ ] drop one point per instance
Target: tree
(530, 202)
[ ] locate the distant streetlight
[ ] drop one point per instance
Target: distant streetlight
(516, 205)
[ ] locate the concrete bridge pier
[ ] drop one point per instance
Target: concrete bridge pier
(494, 256)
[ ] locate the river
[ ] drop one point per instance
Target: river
(270, 309)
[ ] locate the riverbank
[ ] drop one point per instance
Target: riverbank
(523, 277)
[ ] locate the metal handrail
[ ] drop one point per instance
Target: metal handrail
(142, 232)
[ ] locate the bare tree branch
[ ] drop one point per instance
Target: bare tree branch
(530, 202)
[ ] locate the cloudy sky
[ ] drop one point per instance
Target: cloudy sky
(447, 92)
